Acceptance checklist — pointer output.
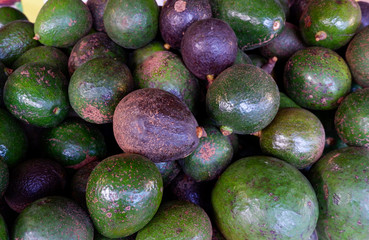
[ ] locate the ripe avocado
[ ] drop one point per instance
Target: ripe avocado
(61, 23)
(178, 220)
(254, 22)
(135, 190)
(4, 178)
(97, 8)
(340, 180)
(16, 39)
(10, 14)
(131, 24)
(258, 197)
(53, 217)
(37, 94)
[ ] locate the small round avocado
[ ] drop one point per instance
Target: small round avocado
(178, 220)
(97, 8)
(53, 217)
(37, 94)
(3, 229)
(10, 14)
(4, 177)
(340, 180)
(61, 23)
(74, 143)
(123, 194)
(262, 197)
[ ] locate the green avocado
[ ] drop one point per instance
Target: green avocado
(3, 229)
(10, 14)
(61, 23)
(140, 54)
(131, 24)
(286, 102)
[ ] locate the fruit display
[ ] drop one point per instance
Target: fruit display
(185, 119)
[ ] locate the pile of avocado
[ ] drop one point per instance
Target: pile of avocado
(198, 119)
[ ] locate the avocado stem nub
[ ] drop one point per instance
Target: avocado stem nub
(8, 71)
(36, 37)
(226, 131)
(321, 35)
(167, 46)
(210, 79)
(257, 134)
(269, 66)
(200, 132)
(56, 110)
(276, 25)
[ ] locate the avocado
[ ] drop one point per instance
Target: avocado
(15, 39)
(317, 78)
(97, 8)
(213, 154)
(169, 170)
(208, 47)
(61, 23)
(295, 135)
(13, 139)
(329, 23)
(93, 46)
(286, 102)
(4, 178)
(177, 15)
(242, 58)
(53, 217)
(3, 229)
(352, 119)
(156, 124)
(254, 22)
(3, 78)
(178, 220)
(37, 94)
(10, 14)
(257, 59)
(364, 7)
(74, 143)
(258, 197)
(123, 193)
(44, 54)
(340, 180)
(165, 70)
(131, 24)
(243, 99)
(34, 179)
(356, 57)
(96, 88)
(140, 54)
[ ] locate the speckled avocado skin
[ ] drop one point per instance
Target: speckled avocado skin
(123, 194)
(317, 78)
(262, 197)
(178, 220)
(352, 119)
(340, 180)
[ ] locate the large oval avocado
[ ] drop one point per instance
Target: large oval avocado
(262, 197)
(123, 194)
(340, 180)
(254, 22)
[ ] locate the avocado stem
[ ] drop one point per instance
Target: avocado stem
(321, 35)
(269, 66)
(226, 131)
(200, 132)
(167, 46)
(210, 79)
(36, 37)
(276, 25)
(257, 134)
(8, 71)
(56, 110)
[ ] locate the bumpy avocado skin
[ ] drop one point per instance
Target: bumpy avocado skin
(340, 180)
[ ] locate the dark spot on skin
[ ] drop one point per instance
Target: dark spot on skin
(179, 230)
(336, 199)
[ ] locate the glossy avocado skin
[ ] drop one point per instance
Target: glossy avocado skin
(329, 24)
(61, 23)
(178, 220)
(243, 98)
(356, 57)
(165, 70)
(340, 180)
(296, 136)
(352, 119)
(177, 15)
(32, 84)
(9, 14)
(13, 139)
(252, 21)
(317, 78)
(15, 39)
(260, 197)
(96, 88)
(53, 217)
(131, 24)
(119, 213)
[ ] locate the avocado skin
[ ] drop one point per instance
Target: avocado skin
(356, 57)
(296, 136)
(252, 21)
(243, 98)
(32, 84)
(3, 78)
(340, 180)
(317, 78)
(286, 102)
(120, 213)
(338, 19)
(131, 24)
(169, 170)
(15, 39)
(140, 54)
(352, 119)
(10, 14)
(53, 217)
(242, 58)
(3, 229)
(97, 8)
(4, 177)
(364, 7)
(253, 196)
(13, 139)
(177, 15)
(178, 220)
